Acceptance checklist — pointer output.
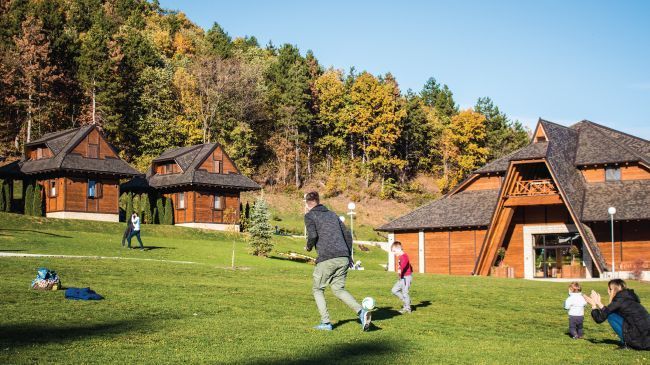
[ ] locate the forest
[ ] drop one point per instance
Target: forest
(152, 80)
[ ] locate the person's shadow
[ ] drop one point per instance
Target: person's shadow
(383, 313)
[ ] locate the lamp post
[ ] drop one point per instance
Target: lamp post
(351, 213)
(612, 211)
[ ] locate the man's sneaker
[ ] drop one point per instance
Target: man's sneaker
(405, 311)
(324, 327)
(365, 318)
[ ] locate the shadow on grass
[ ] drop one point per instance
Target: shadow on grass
(30, 334)
(296, 259)
(34, 231)
(606, 341)
(147, 248)
(17, 250)
(341, 354)
(383, 313)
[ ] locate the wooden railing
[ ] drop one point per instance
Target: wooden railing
(533, 187)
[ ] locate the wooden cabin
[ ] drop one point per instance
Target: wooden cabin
(79, 172)
(541, 211)
(203, 183)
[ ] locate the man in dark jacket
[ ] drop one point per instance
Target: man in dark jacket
(628, 318)
(333, 243)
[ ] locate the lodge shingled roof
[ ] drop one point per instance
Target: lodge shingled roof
(61, 143)
(465, 209)
(631, 199)
(189, 159)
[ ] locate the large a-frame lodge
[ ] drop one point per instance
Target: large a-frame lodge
(526, 211)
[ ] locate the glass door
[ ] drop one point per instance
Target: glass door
(555, 251)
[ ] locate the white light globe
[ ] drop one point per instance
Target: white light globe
(342, 218)
(611, 210)
(351, 206)
(368, 303)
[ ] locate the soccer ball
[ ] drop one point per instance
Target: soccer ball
(368, 303)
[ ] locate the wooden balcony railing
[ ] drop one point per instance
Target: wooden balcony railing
(533, 188)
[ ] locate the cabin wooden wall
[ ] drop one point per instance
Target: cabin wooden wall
(410, 245)
(32, 153)
(160, 168)
(452, 251)
(185, 215)
(94, 137)
(632, 171)
(529, 215)
(75, 193)
(199, 207)
(491, 182)
(53, 203)
(631, 242)
(227, 166)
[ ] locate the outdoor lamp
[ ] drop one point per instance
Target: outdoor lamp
(612, 211)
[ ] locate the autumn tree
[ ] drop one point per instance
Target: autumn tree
(35, 72)
(463, 144)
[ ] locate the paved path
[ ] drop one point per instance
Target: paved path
(17, 254)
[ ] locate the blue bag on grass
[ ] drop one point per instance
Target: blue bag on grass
(82, 294)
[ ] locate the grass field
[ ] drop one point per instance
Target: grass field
(262, 312)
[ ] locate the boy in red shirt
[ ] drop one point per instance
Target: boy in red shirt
(402, 286)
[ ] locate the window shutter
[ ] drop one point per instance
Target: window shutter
(99, 189)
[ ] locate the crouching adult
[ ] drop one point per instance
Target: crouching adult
(628, 318)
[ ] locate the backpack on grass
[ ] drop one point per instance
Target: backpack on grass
(46, 280)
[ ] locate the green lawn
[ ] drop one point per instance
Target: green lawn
(261, 313)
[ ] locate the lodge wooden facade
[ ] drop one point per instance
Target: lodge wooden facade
(535, 205)
(203, 183)
(78, 170)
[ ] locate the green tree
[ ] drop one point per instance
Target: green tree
(219, 41)
(3, 199)
(503, 135)
(29, 198)
(6, 192)
(129, 206)
(160, 210)
(37, 209)
(157, 128)
(169, 212)
(146, 208)
(260, 229)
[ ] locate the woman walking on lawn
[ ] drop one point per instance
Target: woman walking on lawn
(333, 243)
(628, 318)
(136, 230)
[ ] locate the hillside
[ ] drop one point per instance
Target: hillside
(162, 312)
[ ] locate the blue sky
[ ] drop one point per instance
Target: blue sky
(560, 60)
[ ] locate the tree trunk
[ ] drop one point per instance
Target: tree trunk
(297, 161)
(29, 119)
(309, 147)
(94, 120)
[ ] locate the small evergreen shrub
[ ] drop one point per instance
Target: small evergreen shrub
(260, 229)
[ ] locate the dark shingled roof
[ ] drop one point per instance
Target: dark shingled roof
(464, 209)
(600, 145)
(62, 143)
(532, 151)
(631, 199)
(189, 159)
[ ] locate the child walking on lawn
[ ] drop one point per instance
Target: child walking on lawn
(403, 285)
(575, 304)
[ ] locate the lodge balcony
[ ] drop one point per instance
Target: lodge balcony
(533, 192)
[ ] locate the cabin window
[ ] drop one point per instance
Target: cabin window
(93, 150)
(181, 201)
(217, 166)
(612, 173)
(52, 189)
(169, 168)
(217, 203)
(94, 189)
(39, 153)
